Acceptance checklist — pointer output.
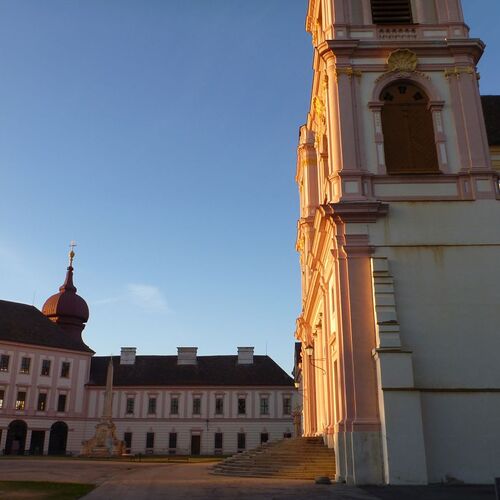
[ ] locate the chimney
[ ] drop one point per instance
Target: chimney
(186, 355)
(245, 355)
(127, 355)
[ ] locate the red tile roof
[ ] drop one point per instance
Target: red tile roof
(209, 371)
(25, 324)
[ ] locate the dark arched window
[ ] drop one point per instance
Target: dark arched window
(391, 11)
(409, 143)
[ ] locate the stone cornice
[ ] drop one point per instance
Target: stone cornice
(331, 48)
(355, 211)
(366, 48)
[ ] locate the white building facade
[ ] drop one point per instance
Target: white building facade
(212, 404)
(52, 390)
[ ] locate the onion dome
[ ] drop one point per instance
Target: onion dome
(66, 306)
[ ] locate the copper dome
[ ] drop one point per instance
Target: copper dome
(66, 305)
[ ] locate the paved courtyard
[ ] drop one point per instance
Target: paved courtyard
(123, 481)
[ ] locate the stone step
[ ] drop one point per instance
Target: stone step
(303, 476)
(277, 466)
(288, 463)
(291, 473)
(312, 474)
(269, 458)
(303, 458)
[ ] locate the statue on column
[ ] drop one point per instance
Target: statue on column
(105, 443)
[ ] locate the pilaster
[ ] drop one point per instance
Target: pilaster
(359, 425)
(342, 96)
(467, 109)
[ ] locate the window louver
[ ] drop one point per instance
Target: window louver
(391, 12)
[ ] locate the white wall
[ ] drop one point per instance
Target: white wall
(461, 436)
(444, 257)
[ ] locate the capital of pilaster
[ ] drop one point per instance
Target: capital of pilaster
(348, 71)
(458, 71)
(436, 105)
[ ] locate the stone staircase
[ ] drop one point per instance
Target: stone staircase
(298, 458)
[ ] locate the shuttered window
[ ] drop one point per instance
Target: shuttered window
(391, 12)
(409, 143)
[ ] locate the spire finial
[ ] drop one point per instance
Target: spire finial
(72, 246)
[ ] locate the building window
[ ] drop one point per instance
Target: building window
(196, 406)
(152, 405)
(287, 405)
(242, 441)
(174, 405)
(150, 440)
(61, 403)
(408, 129)
(65, 369)
(242, 405)
(25, 365)
(127, 439)
(219, 405)
(45, 368)
(21, 400)
(391, 11)
(264, 437)
(2, 398)
(218, 441)
(129, 410)
(172, 440)
(264, 405)
(42, 402)
(4, 363)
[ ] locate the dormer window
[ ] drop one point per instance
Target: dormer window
(391, 12)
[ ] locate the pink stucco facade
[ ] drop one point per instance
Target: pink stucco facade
(390, 262)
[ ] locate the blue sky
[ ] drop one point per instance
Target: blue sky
(161, 136)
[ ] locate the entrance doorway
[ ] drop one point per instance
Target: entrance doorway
(195, 444)
(127, 439)
(37, 440)
(58, 438)
(16, 438)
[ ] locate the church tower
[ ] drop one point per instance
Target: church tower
(66, 308)
(399, 245)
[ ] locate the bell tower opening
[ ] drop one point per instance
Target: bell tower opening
(391, 12)
(409, 141)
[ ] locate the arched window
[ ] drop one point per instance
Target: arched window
(409, 141)
(391, 11)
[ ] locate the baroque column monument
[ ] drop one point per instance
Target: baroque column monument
(105, 443)
(399, 246)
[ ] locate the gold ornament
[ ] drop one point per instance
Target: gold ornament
(458, 70)
(350, 72)
(319, 108)
(402, 60)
